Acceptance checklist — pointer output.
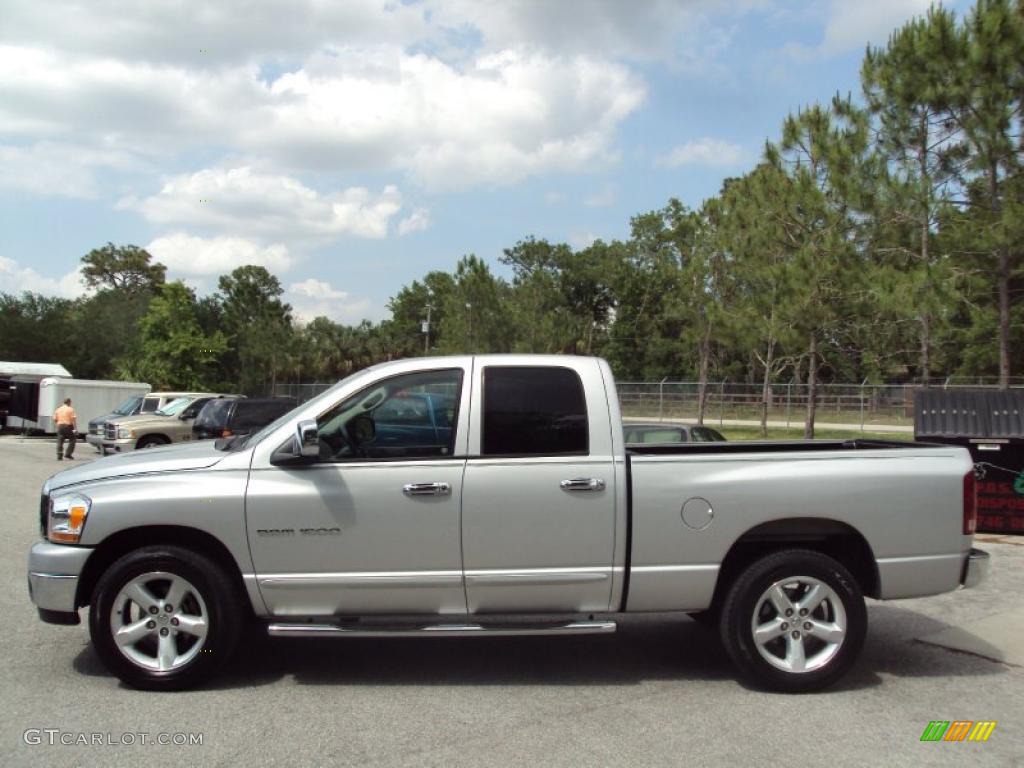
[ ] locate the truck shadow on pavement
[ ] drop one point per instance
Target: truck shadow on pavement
(644, 649)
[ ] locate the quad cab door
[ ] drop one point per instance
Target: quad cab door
(373, 525)
(539, 497)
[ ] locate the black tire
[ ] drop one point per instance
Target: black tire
(151, 441)
(222, 614)
(745, 596)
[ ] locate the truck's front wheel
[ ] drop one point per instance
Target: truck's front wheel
(164, 618)
(794, 621)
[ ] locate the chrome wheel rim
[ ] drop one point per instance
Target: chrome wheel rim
(799, 624)
(159, 621)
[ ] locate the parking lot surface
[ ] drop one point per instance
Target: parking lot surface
(658, 692)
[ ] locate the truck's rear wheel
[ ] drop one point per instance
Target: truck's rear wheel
(164, 618)
(794, 621)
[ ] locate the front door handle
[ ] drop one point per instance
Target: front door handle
(427, 489)
(583, 484)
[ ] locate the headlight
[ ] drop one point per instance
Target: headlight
(67, 518)
(124, 432)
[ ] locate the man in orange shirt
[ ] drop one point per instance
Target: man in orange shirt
(67, 428)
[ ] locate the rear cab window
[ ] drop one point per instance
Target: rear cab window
(533, 411)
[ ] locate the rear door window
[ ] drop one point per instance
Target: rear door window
(533, 411)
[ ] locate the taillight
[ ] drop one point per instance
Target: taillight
(970, 504)
(226, 433)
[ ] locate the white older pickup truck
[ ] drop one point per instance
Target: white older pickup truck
(494, 495)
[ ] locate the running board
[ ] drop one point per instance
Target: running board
(441, 630)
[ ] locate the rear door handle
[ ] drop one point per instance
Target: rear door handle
(583, 484)
(427, 489)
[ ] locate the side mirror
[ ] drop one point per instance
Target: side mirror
(307, 438)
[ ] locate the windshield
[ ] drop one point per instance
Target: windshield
(174, 407)
(214, 414)
(129, 406)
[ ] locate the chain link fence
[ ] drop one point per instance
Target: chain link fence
(865, 404)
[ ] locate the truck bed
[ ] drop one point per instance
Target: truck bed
(689, 504)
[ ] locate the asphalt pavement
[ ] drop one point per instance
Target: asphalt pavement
(659, 692)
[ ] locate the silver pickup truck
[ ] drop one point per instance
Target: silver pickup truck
(494, 495)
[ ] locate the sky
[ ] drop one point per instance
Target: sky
(352, 147)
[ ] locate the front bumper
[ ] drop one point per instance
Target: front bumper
(976, 568)
(53, 573)
(94, 440)
(121, 445)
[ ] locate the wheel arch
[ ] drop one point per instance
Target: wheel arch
(836, 539)
(121, 543)
(148, 436)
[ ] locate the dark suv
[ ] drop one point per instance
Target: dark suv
(224, 418)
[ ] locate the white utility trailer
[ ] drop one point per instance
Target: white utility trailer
(90, 398)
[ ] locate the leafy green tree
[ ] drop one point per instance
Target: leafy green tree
(173, 351)
(820, 151)
(908, 89)
(415, 305)
(643, 276)
(536, 305)
(122, 268)
(759, 272)
(258, 326)
(988, 105)
(584, 285)
(36, 329)
(475, 314)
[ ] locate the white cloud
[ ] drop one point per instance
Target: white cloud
(494, 119)
(704, 151)
(272, 207)
(314, 298)
(200, 34)
(852, 25)
(185, 254)
(51, 169)
(643, 31)
(417, 221)
(16, 279)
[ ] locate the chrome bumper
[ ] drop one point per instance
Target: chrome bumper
(94, 440)
(976, 568)
(53, 571)
(121, 445)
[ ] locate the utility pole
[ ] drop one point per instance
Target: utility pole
(426, 332)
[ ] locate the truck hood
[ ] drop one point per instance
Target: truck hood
(173, 458)
(142, 419)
